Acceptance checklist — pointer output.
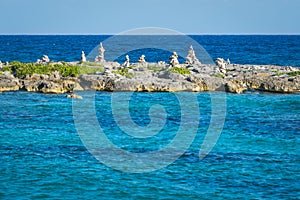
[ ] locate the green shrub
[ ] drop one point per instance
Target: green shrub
(295, 73)
(90, 70)
(155, 68)
(7, 69)
(218, 75)
(180, 70)
(94, 64)
(124, 72)
(21, 70)
(290, 74)
(279, 74)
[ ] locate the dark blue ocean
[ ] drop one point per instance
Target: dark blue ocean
(242, 49)
(44, 155)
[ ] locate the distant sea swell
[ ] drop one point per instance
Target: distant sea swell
(242, 49)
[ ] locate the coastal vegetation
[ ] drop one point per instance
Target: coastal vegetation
(155, 68)
(89, 70)
(21, 70)
(290, 74)
(123, 72)
(90, 64)
(218, 75)
(180, 70)
(294, 73)
(6, 69)
(90, 67)
(63, 77)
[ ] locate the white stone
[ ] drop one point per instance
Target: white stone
(221, 64)
(142, 59)
(173, 60)
(45, 60)
(126, 63)
(191, 58)
(83, 58)
(100, 57)
(74, 96)
(161, 63)
(228, 62)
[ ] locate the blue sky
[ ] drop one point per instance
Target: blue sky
(114, 16)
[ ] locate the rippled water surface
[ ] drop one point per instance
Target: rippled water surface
(256, 156)
(242, 49)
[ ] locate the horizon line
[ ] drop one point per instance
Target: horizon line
(111, 34)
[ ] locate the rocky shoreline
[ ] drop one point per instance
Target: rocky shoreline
(155, 78)
(60, 77)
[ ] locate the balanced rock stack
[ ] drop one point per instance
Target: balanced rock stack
(142, 59)
(100, 57)
(221, 66)
(173, 60)
(83, 58)
(191, 58)
(126, 63)
(45, 60)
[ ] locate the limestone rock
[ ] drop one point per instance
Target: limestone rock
(45, 84)
(74, 96)
(235, 87)
(237, 79)
(55, 76)
(274, 84)
(207, 83)
(9, 83)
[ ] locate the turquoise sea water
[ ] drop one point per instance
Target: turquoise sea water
(256, 157)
